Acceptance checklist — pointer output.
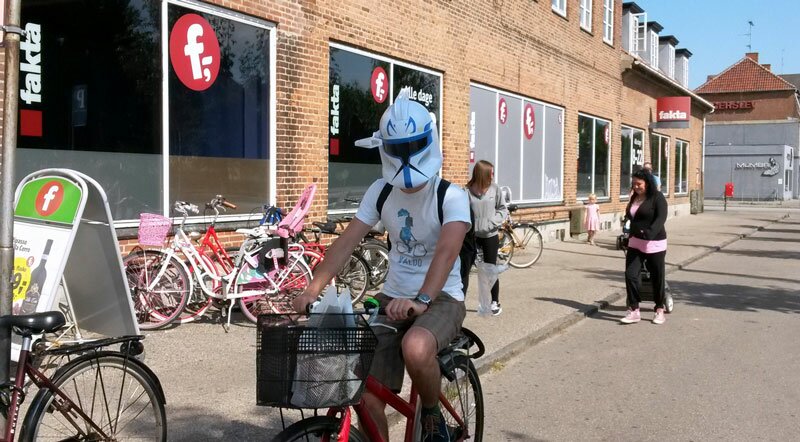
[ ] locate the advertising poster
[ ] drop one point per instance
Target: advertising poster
(39, 252)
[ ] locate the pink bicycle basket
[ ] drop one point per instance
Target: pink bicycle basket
(153, 229)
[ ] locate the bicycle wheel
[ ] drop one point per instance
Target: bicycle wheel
(120, 397)
(198, 302)
(506, 248)
(465, 395)
(272, 292)
(377, 256)
(528, 246)
(355, 277)
(317, 428)
(157, 306)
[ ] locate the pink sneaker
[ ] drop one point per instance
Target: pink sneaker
(659, 318)
(633, 316)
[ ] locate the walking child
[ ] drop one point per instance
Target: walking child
(592, 222)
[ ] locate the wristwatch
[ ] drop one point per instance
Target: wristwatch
(423, 298)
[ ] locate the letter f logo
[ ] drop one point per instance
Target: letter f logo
(49, 196)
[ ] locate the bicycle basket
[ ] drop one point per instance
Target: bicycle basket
(153, 229)
(299, 366)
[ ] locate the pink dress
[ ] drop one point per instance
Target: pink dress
(592, 221)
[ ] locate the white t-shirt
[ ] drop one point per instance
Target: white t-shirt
(412, 223)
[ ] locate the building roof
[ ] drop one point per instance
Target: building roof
(633, 7)
(683, 51)
(655, 26)
(670, 39)
(793, 79)
(746, 75)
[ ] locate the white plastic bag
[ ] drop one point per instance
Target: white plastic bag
(487, 275)
(327, 379)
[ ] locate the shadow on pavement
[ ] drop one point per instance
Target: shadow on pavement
(766, 278)
(192, 424)
(779, 254)
(769, 239)
(736, 297)
(606, 314)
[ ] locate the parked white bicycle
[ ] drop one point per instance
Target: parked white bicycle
(266, 276)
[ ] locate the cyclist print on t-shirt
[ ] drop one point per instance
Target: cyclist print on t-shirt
(408, 243)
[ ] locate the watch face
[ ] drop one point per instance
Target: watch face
(423, 298)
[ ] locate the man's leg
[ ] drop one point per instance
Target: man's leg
(419, 352)
(377, 410)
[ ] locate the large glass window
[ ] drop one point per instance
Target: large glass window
(361, 87)
(523, 138)
(594, 136)
(632, 157)
(96, 102)
(681, 167)
(219, 140)
(659, 156)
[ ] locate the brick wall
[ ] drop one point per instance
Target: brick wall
(522, 47)
(773, 105)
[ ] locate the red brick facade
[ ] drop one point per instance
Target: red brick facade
(521, 47)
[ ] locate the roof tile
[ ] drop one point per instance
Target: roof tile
(745, 75)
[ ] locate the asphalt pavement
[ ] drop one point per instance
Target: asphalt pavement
(209, 375)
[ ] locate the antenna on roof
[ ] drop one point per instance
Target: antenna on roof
(750, 35)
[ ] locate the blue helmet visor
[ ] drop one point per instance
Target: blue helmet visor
(407, 148)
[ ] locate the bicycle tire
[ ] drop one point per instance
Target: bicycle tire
(317, 428)
(106, 371)
(528, 246)
(466, 399)
(268, 298)
(376, 254)
(355, 277)
(161, 306)
(505, 249)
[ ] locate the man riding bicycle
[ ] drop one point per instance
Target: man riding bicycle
(422, 294)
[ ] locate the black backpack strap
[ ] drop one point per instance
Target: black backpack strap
(387, 189)
(441, 191)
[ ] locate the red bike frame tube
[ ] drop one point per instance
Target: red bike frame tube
(211, 240)
(13, 406)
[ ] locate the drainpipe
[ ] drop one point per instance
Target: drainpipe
(703, 161)
(11, 41)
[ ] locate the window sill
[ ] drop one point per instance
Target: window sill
(562, 14)
(609, 42)
(587, 30)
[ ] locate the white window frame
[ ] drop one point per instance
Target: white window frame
(681, 152)
(594, 155)
(623, 192)
(523, 99)
(165, 67)
(560, 7)
(585, 11)
(638, 34)
(656, 161)
(671, 61)
(654, 49)
(608, 21)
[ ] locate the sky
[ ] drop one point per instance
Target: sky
(715, 32)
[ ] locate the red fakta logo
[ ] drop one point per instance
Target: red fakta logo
(502, 111)
(194, 52)
(379, 84)
(530, 121)
(49, 198)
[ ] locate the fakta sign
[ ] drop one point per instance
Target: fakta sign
(670, 109)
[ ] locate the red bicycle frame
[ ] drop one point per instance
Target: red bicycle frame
(406, 408)
(211, 245)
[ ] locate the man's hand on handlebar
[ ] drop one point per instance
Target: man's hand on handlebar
(400, 308)
(301, 303)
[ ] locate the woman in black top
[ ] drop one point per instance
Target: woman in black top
(647, 211)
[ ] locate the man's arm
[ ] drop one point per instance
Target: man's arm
(336, 256)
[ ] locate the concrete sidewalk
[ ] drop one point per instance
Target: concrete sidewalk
(574, 279)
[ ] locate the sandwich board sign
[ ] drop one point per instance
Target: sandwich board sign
(65, 242)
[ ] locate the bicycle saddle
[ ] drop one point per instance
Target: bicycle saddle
(328, 227)
(34, 324)
(512, 207)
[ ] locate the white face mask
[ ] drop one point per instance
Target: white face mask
(408, 143)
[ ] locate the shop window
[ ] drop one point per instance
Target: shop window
(681, 167)
(659, 156)
(361, 88)
(523, 138)
(594, 136)
(632, 157)
(608, 21)
(586, 14)
(560, 7)
(101, 108)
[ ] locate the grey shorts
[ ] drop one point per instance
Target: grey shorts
(443, 319)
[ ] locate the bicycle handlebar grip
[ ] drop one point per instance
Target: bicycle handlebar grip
(229, 205)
